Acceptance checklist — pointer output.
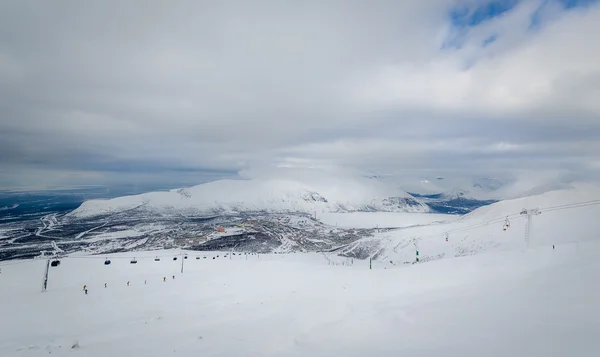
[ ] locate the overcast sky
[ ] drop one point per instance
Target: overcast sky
(181, 92)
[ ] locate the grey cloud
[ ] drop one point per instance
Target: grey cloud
(216, 87)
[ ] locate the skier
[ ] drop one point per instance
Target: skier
(84, 286)
(85, 291)
(164, 279)
(173, 277)
(105, 285)
(127, 283)
(552, 246)
(145, 281)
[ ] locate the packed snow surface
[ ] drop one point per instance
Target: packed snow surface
(542, 302)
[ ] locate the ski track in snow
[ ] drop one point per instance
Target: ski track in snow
(80, 235)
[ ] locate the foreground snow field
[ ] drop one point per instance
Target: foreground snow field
(540, 302)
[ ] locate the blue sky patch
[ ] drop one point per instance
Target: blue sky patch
(465, 16)
(536, 17)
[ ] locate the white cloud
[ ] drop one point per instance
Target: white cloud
(531, 75)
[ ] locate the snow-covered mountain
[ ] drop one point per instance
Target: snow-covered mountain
(263, 195)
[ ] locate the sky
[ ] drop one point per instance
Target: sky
(180, 93)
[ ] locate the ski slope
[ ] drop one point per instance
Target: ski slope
(561, 220)
(542, 302)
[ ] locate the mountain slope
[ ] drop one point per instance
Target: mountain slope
(562, 220)
(234, 196)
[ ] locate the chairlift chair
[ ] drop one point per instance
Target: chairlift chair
(133, 261)
(55, 263)
(106, 262)
(174, 258)
(157, 259)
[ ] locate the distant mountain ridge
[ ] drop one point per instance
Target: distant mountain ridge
(276, 195)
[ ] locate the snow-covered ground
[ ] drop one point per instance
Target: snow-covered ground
(382, 219)
(483, 292)
(542, 302)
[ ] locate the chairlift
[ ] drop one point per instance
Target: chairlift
(55, 263)
(174, 258)
(133, 261)
(106, 262)
(157, 259)
(198, 257)
(506, 224)
(185, 257)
